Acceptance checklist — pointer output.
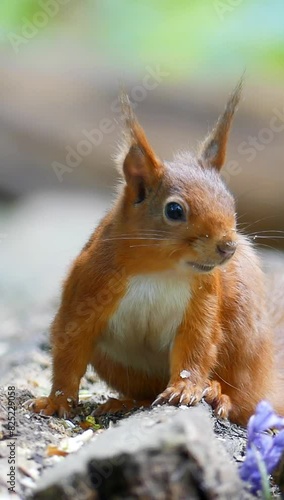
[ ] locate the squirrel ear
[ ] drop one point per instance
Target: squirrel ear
(141, 167)
(213, 150)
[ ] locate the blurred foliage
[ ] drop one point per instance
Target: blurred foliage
(187, 36)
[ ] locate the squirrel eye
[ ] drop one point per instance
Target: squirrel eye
(174, 211)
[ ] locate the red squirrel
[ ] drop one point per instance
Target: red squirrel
(167, 300)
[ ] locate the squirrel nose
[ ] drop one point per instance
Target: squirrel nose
(227, 248)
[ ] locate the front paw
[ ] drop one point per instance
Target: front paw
(181, 392)
(221, 403)
(54, 404)
(113, 405)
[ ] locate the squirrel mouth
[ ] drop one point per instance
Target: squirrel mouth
(203, 268)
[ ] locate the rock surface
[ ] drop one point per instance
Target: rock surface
(170, 451)
(165, 453)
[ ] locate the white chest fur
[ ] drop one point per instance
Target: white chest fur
(143, 327)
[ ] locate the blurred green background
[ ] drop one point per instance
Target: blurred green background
(190, 37)
(62, 62)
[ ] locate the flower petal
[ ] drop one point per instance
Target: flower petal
(265, 418)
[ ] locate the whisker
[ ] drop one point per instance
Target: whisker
(268, 237)
(242, 390)
(173, 251)
(149, 231)
(241, 224)
(230, 385)
(280, 252)
(260, 220)
(268, 233)
(240, 216)
(138, 235)
(149, 238)
(151, 245)
(155, 231)
(257, 245)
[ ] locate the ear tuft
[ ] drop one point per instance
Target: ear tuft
(134, 131)
(141, 167)
(213, 150)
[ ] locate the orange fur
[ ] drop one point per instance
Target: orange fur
(169, 310)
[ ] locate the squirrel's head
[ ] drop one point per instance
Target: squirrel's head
(178, 214)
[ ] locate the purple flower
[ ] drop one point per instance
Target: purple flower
(264, 450)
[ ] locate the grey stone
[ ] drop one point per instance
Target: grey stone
(167, 453)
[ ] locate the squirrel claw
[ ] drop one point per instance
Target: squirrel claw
(192, 400)
(29, 404)
(158, 401)
(50, 405)
(182, 392)
(223, 407)
(221, 403)
(181, 399)
(173, 396)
